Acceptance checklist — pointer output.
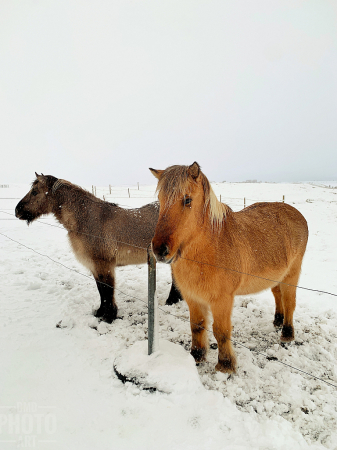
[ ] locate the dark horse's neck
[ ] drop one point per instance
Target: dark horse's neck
(67, 202)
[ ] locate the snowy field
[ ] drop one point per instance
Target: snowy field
(58, 387)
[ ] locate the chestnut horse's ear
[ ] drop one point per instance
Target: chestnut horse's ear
(156, 173)
(194, 170)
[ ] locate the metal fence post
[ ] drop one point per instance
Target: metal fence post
(153, 341)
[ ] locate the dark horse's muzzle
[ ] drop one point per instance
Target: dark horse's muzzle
(21, 213)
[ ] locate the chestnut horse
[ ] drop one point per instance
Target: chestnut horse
(102, 235)
(217, 253)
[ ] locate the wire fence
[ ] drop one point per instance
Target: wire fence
(242, 202)
(111, 194)
(118, 241)
(174, 315)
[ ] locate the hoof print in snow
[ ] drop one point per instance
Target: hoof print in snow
(125, 379)
(93, 323)
(103, 328)
(220, 376)
(65, 323)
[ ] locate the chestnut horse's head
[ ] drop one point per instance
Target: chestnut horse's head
(38, 200)
(187, 205)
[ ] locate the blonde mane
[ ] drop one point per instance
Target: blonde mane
(176, 181)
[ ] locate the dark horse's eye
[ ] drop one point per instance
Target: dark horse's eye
(34, 193)
(187, 200)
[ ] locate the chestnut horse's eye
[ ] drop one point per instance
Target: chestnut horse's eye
(34, 193)
(187, 201)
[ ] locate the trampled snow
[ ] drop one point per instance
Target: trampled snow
(58, 386)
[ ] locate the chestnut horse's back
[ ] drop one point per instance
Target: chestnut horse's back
(275, 221)
(272, 238)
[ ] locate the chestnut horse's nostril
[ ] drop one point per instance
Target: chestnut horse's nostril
(163, 250)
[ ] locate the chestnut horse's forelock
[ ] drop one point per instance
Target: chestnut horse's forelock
(176, 181)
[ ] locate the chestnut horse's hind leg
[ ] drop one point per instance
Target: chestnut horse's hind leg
(289, 300)
(105, 285)
(199, 320)
(279, 314)
(222, 329)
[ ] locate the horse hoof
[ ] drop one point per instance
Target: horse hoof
(287, 333)
(278, 320)
(105, 315)
(227, 366)
(199, 354)
(172, 301)
(99, 313)
(110, 316)
(107, 319)
(174, 295)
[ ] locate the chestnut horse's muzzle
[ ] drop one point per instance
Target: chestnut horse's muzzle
(161, 251)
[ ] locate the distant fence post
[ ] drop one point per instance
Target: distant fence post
(283, 199)
(138, 185)
(153, 341)
(129, 192)
(244, 202)
(109, 188)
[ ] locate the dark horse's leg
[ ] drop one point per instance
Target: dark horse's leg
(108, 309)
(174, 295)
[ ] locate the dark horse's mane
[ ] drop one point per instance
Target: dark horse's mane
(54, 184)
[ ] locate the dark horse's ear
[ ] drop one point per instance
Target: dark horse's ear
(194, 170)
(156, 173)
(36, 174)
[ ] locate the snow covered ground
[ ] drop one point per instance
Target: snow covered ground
(58, 389)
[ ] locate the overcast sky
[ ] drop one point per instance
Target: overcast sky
(98, 91)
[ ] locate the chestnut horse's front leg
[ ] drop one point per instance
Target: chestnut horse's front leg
(199, 320)
(222, 329)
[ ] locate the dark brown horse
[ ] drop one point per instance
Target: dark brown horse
(217, 253)
(102, 235)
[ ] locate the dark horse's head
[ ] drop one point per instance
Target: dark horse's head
(38, 200)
